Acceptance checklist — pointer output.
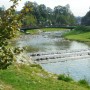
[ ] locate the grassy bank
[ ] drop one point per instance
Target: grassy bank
(81, 33)
(23, 77)
(37, 31)
(85, 37)
(52, 29)
(33, 31)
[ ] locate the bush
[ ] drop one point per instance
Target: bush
(10, 23)
(65, 78)
(84, 82)
(83, 28)
(36, 65)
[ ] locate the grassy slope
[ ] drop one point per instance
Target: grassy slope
(4, 86)
(22, 77)
(73, 35)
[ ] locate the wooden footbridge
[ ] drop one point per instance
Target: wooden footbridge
(60, 56)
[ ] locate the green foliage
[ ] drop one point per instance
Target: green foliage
(65, 78)
(86, 19)
(10, 23)
(8, 27)
(85, 37)
(2, 10)
(29, 20)
(81, 33)
(36, 65)
(52, 29)
(37, 31)
(32, 31)
(44, 16)
(63, 15)
(83, 28)
(7, 56)
(84, 82)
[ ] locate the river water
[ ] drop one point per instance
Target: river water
(54, 42)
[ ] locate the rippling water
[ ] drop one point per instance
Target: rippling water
(53, 42)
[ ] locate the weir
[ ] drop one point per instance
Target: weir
(62, 55)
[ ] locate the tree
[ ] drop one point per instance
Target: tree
(2, 10)
(29, 21)
(45, 16)
(10, 23)
(86, 19)
(36, 12)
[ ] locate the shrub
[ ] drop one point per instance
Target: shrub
(36, 65)
(10, 23)
(65, 78)
(83, 28)
(84, 82)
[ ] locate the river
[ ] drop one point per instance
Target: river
(54, 42)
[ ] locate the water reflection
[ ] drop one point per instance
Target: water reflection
(49, 41)
(62, 44)
(78, 45)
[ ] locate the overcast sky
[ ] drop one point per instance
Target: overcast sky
(78, 7)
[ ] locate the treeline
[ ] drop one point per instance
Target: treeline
(40, 16)
(85, 23)
(45, 16)
(82, 28)
(86, 19)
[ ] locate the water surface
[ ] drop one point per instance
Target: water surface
(53, 42)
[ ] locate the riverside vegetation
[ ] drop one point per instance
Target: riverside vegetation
(33, 77)
(37, 31)
(15, 76)
(81, 33)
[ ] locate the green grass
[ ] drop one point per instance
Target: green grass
(4, 86)
(74, 35)
(33, 77)
(65, 78)
(52, 29)
(32, 31)
(81, 33)
(37, 31)
(84, 82)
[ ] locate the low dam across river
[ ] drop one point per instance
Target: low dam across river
(63, 55)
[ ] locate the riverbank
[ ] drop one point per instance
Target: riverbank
(84, 37)
(79, 34)
(21, 76)
(37, 31)
(33, 77)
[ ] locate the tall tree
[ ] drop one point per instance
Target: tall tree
(45, 16)
(86, 19)
(10, 23)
